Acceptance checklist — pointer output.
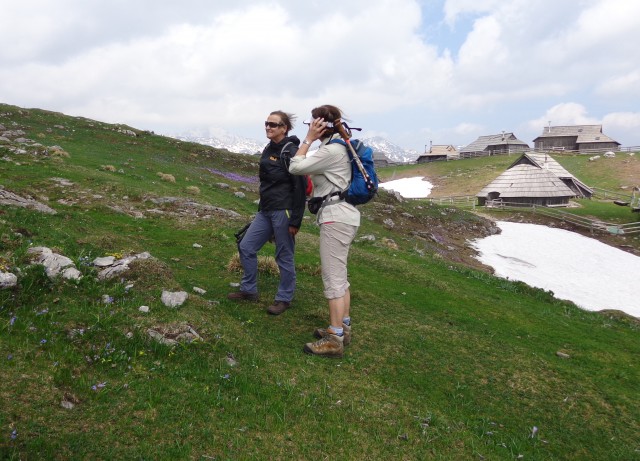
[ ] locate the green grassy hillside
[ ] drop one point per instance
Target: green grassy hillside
(447, 361)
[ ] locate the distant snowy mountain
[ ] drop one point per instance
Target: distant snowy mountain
(223, 140)
(233, 143)
(392, 151)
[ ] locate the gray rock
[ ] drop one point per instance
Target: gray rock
(104, 261)
(67, 405)
(174, 299)
(200, 291)
(172, 335)
(54, 263)
(120, 266)
(71, 273)
(8, 280)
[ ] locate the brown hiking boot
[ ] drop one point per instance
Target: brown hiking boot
(242, 296)
(327, 346)
(278, 307)
(322, 332)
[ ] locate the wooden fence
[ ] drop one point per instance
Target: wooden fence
(605, 194)
(594, 225)
(462, 201)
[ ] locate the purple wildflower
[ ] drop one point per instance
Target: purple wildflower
(10, 357)
(95, 387)
(234, 176)
(43, 341)
(12, 321)
(14, 434)
(42, 312)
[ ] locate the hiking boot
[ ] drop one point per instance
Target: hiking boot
(322, 332)
(278, 307)
(242, 296)
(327, 346)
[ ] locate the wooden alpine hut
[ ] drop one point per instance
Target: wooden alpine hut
(439, 152)
(581, 138)
(534, 179)
(505, 143)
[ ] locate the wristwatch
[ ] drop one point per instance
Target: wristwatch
(308, 143)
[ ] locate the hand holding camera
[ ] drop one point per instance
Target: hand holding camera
(317, 128)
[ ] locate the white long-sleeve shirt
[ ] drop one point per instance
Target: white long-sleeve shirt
(330, 171)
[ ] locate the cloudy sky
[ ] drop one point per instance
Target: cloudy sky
(412, 71)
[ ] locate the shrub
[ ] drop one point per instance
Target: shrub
(166, 177)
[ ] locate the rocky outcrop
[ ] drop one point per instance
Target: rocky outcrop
(55, 264)
(109, 266)
(10, 199)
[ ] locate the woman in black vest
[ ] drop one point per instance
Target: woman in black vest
(282, 203)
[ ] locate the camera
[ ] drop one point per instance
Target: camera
(308, 122)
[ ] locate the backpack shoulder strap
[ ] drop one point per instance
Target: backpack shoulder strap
(284, 148)
(342, 142)
(285, 159)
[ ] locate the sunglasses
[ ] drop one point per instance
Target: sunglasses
(272, 124)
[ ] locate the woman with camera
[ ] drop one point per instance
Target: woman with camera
(330, 171)
(280, 212)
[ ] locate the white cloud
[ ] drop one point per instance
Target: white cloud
(453, 9)
(166, 66)
(626, 85)
(564, 114)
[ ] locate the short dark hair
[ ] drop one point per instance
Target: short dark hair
(286, 118)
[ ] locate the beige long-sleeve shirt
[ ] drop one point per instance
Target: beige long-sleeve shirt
(330, 171)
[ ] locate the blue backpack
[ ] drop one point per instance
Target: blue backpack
(361, 189)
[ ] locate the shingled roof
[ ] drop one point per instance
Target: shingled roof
(502, 139)
(535, 175)
(583, 133)
(545, 161)
(526, 180)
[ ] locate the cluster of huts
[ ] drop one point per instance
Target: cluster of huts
(578, 138)
(535, 178)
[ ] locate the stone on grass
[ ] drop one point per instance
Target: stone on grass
(54, 263)
(174, 298)
(144, 309)
(67, 405)
(104, 261)
(200, 291)
(119, 265)
(171, 335)
(8, 280)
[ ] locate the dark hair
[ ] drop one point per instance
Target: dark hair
(330, 114)
(286, 118)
